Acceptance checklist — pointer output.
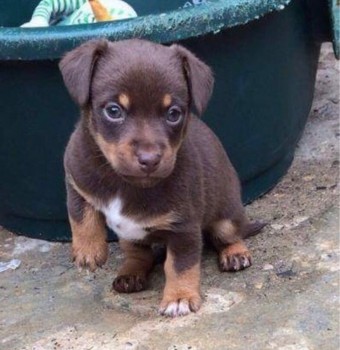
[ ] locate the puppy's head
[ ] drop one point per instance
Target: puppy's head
(137, 96)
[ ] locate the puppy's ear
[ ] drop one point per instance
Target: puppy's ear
(77, 69)
(199, 78)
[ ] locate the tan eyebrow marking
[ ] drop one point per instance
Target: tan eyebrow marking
(124, 100)
(167, 100)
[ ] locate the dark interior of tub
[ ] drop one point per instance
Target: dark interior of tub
(14, 16)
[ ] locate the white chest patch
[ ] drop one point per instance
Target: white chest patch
(125, 227)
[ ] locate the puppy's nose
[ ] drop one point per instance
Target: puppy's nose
(148, 161)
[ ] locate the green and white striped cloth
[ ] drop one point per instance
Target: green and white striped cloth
(67, 12)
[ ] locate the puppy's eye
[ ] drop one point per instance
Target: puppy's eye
(174, 115)
(113, 112)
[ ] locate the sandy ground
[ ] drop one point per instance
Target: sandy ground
(288, 300)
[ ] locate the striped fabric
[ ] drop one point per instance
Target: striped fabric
(48, 8)
(69, 12)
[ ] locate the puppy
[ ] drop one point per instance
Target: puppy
(140, 162)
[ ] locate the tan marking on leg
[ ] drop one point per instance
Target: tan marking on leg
(167, 100)
(138, 259)
(89, 246)
(124, 100)
(161, 222)
(235, 257)
(236, 248)
(225, 231)
(132, 275)
(182, 291)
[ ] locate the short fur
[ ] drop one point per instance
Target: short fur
(171, 177)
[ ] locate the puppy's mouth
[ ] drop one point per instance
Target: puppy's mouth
(144, 180)
(134, 175)
(141, 181)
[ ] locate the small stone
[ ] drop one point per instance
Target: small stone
(267, 267)
(308, 177)
(321, 187)
(285, 269)
(297, 221)
(277, 227)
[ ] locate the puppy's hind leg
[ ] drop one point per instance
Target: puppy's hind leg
(233, 254)
(132, 275)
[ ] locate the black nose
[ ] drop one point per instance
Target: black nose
(148, 161)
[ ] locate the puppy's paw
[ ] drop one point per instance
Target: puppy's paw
(180, 307)
(90, 255)
(235, 263)
(234, 258)
(129, 283)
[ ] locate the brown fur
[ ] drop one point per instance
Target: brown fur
(163, 222)
(225, 231)
(235, 257)
(181, 286)
(167, 167)
(89, 247)
(132, 275)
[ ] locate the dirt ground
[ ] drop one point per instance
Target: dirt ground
(288, 300)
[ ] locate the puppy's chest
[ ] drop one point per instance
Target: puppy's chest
(125, 227)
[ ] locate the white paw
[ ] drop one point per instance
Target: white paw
(180, 307)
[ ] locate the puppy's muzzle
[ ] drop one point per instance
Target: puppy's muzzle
(148, 160)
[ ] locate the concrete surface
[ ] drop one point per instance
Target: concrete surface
(288, 300)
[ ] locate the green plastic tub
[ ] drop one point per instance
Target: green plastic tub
(264, 54)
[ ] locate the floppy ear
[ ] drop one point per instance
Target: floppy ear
(77, 69)
(199, 78)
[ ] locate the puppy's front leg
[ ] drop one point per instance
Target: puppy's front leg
(132, 275)
(89, 246)
(182, 273)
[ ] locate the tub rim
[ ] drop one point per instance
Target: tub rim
(52, 42)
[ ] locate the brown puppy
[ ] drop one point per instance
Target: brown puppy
(142, 163)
